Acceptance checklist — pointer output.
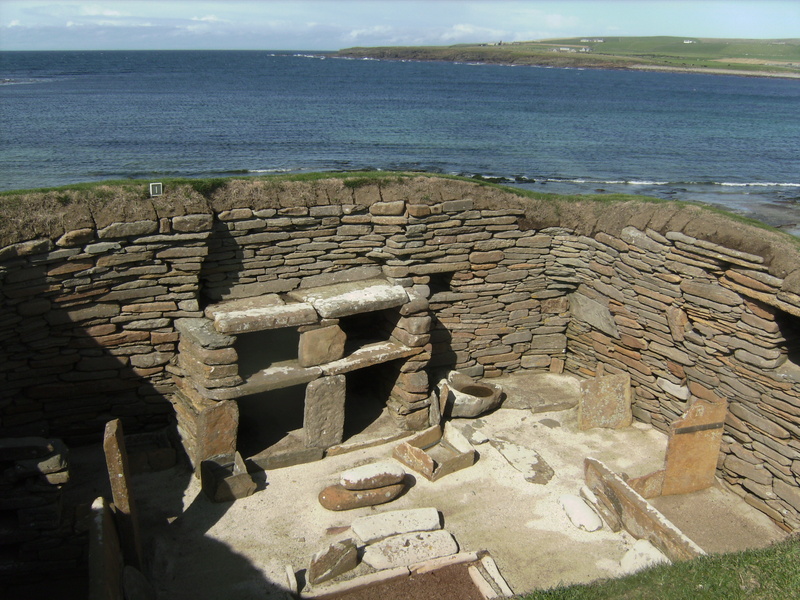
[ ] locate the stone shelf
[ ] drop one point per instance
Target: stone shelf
(289, 373)
(279, 375)
(368, 355)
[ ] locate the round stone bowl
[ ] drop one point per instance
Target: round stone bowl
(469, 398)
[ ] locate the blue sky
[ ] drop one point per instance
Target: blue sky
(335, 24)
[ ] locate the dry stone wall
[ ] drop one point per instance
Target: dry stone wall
(689, 303)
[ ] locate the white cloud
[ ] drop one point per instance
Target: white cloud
(99, 11)
(210, 19)
(561, 21)
(369, 32)
(466, 32)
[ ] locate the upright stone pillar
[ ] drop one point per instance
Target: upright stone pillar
(119, 477)
(323, 422)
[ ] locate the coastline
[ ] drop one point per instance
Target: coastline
(745, 58)
(711, 71)
(565, 65)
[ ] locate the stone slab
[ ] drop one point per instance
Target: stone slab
(490, 568)
(407, 549)
(357, 584)
(368, 355)
(289, 451)
(594, 313)
(372, 475)
(323, 417)
(350, 298)
(484, 587)
(225, 478)
(580, 513)
(279, 375)
(320, 346)
(373, 528)
(119, 478)
(105, 556)
(693, 448)
(525, 460)
(202, 333)
(242, 304)
(605, 402)
(254, 317)
(635, 514)
(332, 561)
(692, 452)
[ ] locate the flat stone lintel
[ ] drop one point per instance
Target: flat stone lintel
(350, 298)
(251, 318)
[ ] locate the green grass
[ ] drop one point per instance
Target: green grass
(779, 57)
(771, 573)
(14, 204)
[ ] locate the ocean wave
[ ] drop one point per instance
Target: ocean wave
(12, 81)
(760, 184)
(647, 182)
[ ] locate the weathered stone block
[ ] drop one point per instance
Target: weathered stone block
(320, 346)
(594, 313)
(105, 556)
(323, 422)
(121, 230)
(119, 477)
(192, 223)
(331, 562)
(225, 478)
(258, 314)
(201, 332)
(525, 460)
(551, 342)
(407, 549)
(351, 298)
(372, 528)
(394, 208)
(711, 292)
(373, 475)
(605, 402)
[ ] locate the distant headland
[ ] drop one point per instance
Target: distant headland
(765, 58)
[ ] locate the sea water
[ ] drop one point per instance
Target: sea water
(81, 116)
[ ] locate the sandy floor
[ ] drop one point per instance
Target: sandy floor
(203, 550)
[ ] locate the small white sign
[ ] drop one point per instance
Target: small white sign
(156, 189)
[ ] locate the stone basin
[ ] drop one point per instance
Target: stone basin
(467, 397)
